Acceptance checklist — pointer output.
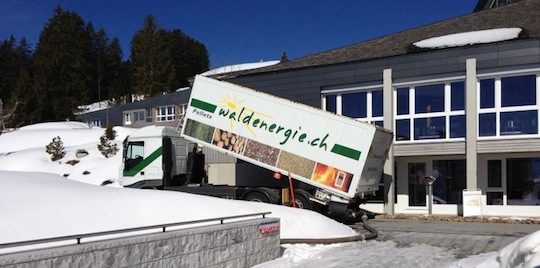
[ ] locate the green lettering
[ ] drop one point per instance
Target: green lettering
(280, 128)
(315, 142)
(256, 122)
(302, 137)
(223, 112)
(240, 115)
(247, 119)
(323, 143)
(264, 125)
(271, 128)
(287, 136)
(232, 116)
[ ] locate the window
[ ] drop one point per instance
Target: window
(134, 154)
(523, 122)
(403, 130)
(487, 93)
(377, 103)
(139, 116)
(429, 98)
(487, 125)
(494, 173)
(127, 119)
(331, 103)
(354, 104)
(458, 126)
(457, 97)
(365, 105)
(417, 184)
(518, 90)
(165, 113)
(402, 101)
(448, 187)
(429, 128)
(494, 198)
(438, 112)
(523, 181)
(508, 106)
(149, 116)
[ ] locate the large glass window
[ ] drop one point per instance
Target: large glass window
(516, 123)
(448, 187)
(354, 104)
(417, 184)
(402, 101)
(518, 90)
(429, 98)
(487, 93)
(523, 181)
(331, 103)
(429, 128)
(457, 97)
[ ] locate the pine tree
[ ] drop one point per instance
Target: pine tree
(189, 57)
(151, 65)
(56, 149)
(62, 66)
(106, 145)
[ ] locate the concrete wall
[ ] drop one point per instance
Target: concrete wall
(237, 244)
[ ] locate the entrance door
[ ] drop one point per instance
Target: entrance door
(417, 184)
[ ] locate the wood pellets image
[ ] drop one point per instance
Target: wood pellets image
(296, 164)
(229, 141)
(261, 152)
(199, 130)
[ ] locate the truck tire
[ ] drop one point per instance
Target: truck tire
(302, 199)
(257, 197)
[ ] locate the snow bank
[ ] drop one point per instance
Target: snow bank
(65, 207)
(24, 150)
(524, 252)
(469, 38)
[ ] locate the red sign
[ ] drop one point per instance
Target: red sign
(277, 175)
(268, 228)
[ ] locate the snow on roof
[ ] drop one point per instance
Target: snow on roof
(469, 38)
(240, 67)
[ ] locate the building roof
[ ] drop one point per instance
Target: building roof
(523, 14)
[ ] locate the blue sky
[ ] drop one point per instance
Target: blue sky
(240, 31)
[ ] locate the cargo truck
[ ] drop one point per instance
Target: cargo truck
(336, 162)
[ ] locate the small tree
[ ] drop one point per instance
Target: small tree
(106, 145)
(56, 149)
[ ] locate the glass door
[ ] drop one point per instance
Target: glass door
(417, 184)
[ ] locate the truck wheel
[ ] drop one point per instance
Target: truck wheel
(302, 200)
(257, 197)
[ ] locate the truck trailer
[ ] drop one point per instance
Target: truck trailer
(336, 162)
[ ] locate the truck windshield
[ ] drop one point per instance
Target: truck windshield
(135, 154)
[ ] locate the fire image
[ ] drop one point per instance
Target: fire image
(332, 177)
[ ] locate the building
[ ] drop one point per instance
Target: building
(423, 84)
(462, 97)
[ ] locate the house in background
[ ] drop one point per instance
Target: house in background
(462, 97)
(164, 110)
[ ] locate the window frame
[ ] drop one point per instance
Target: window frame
(369, 101)
(165, 117)
(412, 115)
(498, 109)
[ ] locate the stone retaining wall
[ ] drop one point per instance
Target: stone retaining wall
(237, 244)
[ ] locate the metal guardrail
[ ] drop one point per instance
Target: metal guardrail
(78, 237)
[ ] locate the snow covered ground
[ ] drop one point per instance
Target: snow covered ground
(36, 189)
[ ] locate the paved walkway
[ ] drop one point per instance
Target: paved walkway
(466, 238)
